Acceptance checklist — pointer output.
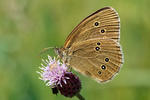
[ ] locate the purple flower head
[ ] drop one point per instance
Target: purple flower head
(52, 71)
(56, 75)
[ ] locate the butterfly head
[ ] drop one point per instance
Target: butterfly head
(59, 52)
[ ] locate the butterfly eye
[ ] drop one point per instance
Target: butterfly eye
(102, 31)
(96, 23)
(97, 48)
(106, 59)
(103, 67)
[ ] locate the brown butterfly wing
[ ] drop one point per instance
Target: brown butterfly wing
(104, 23)
(98, 58)
(92, 48)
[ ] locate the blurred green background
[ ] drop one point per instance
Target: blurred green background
(28, 26)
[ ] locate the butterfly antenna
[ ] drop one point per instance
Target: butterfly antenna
(46, 49)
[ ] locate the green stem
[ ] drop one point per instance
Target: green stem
(80, 97)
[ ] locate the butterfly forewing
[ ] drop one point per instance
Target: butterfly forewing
(104, 23)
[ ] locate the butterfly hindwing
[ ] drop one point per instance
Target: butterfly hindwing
(98, 58)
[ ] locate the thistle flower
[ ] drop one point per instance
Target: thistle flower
(56, 75)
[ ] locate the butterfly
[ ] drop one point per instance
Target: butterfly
(93, 47)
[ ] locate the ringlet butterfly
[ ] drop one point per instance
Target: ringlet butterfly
(93, 47)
